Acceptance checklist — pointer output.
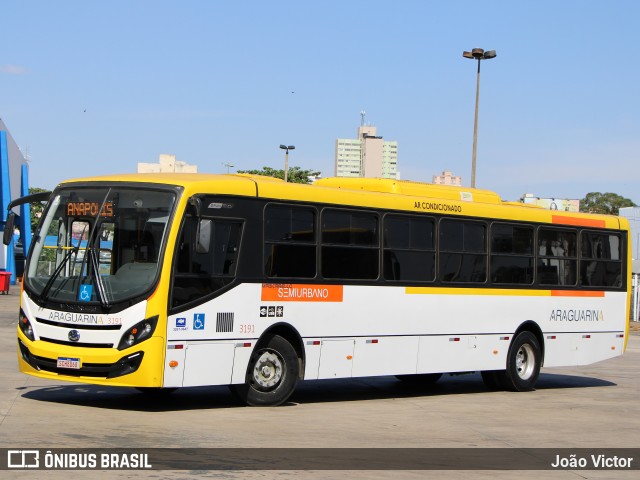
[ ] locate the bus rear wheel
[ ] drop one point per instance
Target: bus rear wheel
(272, 374)
(523, 363)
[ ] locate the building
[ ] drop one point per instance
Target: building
(14, 183)
(633, 215)
(366, 156)
(447, 178)
(552, 203)
(167, 164)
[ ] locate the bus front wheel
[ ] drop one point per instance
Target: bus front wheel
(523, 363)
(272, 374)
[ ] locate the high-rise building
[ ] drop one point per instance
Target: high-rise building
(447, 178)
(366, 156)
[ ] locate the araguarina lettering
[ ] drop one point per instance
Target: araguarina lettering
(576, 315)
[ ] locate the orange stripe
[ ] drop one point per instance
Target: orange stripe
(583, 222)
(503, 292)
(576, 293)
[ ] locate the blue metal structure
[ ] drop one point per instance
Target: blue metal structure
(14, 183)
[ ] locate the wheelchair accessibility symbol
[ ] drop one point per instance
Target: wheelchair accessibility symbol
(198, 321)
(84, 295)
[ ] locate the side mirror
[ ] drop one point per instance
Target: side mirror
(196, 203)
(8, 228)
(203, 236)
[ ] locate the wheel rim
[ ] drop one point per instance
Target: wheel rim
(268, 370)
(525, 361)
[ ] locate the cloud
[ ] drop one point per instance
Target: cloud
(13, 69)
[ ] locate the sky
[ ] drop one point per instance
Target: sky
(92, 88)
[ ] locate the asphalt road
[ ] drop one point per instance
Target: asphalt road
(596, 406)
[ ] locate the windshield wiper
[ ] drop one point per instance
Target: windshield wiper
(56, 272)
(95, 263)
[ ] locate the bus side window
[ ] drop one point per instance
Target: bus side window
(512, 254)
(600, 260)
(350, 244)
(183, 263)
(557, 264)
(289, 241)
(408, 248)
(201, 270)
(463, 251)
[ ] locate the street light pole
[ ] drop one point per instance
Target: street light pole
(477, 54)
(286, 160)
(228, 165)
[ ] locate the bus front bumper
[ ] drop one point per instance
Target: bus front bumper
(138, 366)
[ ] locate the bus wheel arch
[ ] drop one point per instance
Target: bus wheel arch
(524, 359)
(292, 336)
(273, 369)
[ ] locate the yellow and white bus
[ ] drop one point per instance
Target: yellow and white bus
(161, 281)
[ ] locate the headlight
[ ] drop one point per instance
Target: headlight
(138, 333)
(25, 326)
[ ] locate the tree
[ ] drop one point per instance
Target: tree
(607, 203)
(296, 174)
(36, 208)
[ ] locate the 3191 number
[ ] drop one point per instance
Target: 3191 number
(247, 328)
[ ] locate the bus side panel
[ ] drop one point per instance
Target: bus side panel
(336, 360)
(312, 349)
(385, 356)
(389, 330)
(208, 364)
(462, 353)
(573, 349)
(599, 346)
(174, 366)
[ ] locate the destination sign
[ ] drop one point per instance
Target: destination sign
(89, 209)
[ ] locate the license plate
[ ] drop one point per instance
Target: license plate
(66, 362)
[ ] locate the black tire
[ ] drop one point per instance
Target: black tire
(492, 379)
(272, 374)
(420, 378)
(156, 391)
(523, 363)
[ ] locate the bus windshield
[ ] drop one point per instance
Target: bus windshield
(99, 245)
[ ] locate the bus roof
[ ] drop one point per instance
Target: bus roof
(406, 187)
(366, 192)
